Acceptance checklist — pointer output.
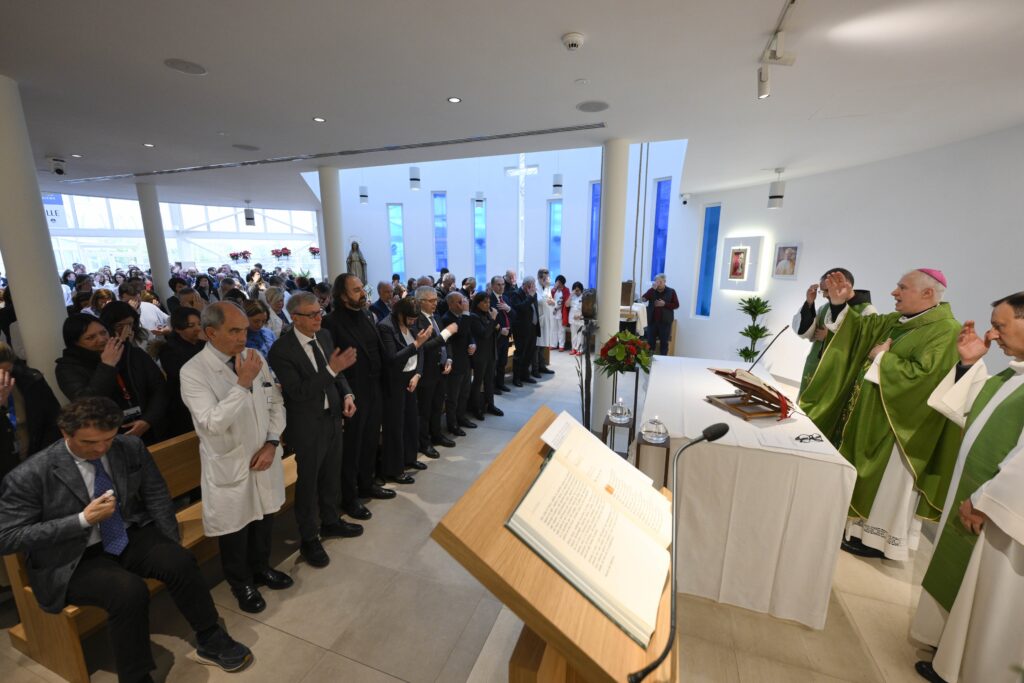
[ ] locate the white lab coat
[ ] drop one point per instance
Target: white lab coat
(232, 424)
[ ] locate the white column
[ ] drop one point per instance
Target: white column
(333, 247)
(156, 243)
(614, 172)
(320, 243)
(25, 241)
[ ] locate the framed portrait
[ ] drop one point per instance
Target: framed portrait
(739, 261)
(786, 260)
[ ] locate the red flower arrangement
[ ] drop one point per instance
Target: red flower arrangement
(283, 252)
(624, 352)
(315, 251)
(237, 256)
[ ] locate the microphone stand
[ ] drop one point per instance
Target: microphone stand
(761, 355)
(638, 676)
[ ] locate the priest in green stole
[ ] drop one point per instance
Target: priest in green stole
(869, 396)
(972, 605)
(813, 326)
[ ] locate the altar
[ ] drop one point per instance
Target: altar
(762, 510)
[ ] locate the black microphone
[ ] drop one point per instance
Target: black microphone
(761, 355)
(711, 433)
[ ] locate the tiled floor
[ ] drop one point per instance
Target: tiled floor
(392, 606)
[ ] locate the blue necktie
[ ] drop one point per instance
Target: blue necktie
(112, 531)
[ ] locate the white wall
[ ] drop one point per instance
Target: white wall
(958, 208)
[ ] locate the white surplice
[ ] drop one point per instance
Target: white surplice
(550, 325)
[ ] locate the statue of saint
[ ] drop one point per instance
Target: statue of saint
(356, 263)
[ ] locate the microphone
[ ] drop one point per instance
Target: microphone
(711, 433)
(761, 355)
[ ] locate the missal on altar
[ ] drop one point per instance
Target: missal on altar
(602, 527)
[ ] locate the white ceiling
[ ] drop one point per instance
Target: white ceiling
(872, 79)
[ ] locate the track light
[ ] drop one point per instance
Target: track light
(556, 185)
(364, 195)
(414, 178)
(776, 190)
(764, 85)
(479, 199)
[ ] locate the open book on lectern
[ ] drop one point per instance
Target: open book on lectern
(598, 521)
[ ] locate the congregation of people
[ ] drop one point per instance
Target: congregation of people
(258, 366)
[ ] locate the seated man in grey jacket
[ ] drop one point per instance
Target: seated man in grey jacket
(93, 516)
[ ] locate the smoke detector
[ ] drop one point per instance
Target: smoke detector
(573, 41)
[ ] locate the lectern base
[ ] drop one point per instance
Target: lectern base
(534, 661)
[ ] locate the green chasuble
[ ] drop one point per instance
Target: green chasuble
(818, 347)
(865, 420)
(999, 435)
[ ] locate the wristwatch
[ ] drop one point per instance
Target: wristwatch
(274, 442)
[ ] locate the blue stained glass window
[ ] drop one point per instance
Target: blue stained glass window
(440, 230)
(555, 235)
(397, 235)
(662, 202)
(595, 231)
(708, 254)
(480, 242)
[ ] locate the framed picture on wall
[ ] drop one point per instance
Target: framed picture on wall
(787, 258)
(739, 262)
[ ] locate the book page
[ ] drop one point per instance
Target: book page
(587, 451)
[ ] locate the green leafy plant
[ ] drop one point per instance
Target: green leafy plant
(624, 352)
(755, 307)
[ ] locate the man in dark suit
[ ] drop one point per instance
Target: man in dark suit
(525, 329)
(437, 367)
(502, 303)
(316, 396)
(351, 325)
(381, 308)
(94, 518)
(460, 348)
(661, 305)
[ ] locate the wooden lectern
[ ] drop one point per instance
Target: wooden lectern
(565, 638)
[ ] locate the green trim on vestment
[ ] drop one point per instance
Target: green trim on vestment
(995, 440)
(865, 420)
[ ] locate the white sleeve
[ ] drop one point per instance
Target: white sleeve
(954, 399)
(872, 374)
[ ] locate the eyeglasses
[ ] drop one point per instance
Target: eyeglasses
(314, 315)
(807, 438)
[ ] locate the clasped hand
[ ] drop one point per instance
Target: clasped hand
(973, 520)
(100, 509)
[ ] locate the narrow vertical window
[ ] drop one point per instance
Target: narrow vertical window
(480, 241)
(440, 230)
(595, 231)
(555, 235)
(708, 254)
(662, 202)
(397, 236)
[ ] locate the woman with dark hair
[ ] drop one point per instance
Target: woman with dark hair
(183, 343)
(255, 283)
(28, 411)
(119, 279)
(205, 288)
(403, 367)
(123, 321)
(483, 322)
(258, 336)
(96, 364)
(99, 299)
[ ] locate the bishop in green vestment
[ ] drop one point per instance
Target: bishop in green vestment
(869, 396)
(974, 587)
(813, 325)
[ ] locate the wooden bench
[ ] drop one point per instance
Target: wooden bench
(55, 640)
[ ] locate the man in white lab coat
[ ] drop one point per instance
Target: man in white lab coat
(239, 415)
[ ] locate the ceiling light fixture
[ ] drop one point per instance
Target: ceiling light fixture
(319, 119)
(764, 84)
(776, 190)
(364, 195)
(76, 156)
(250, 215)
(479, 199)
(186, 67)
(149, 145)
(556, 185)
(592, 106)
(454, 100)
(414, 178)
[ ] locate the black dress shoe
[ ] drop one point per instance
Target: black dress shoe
(495, 411)
(249, 599)
(463, 422)
(272, 579)
(547, 371)
(402, 478)
(341, 529)
(457, 431)
(358, 511)
(417, 465)
(530, 380)
(925, 671)
(478, 416)
(430, 452)
(443, 441)
(377, 492)
(516, 383)
(313, 551)
(536, 375)
(500, 390)
(855, 547)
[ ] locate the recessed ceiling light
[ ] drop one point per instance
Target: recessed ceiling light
(148, 144)
(76, 156)
(319, 119)
(592, 106)
(246, 148)
(454, 100)
(186, 67)
(582, 81)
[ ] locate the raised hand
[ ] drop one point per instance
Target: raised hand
(423, 336)
(812, 294)
(342, 360)
(970, 346)
(248, 368)
(839, 288)
(452, 328)
(100, 508)
(112, 352)
(493, 313)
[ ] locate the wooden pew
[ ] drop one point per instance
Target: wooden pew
(55, 640)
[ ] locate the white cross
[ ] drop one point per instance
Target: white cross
(521, 171)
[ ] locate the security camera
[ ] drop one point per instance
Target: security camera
(686, 199)
(57, 165)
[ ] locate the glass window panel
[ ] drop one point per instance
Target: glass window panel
(167, 216)
(480, 241)
(92, 212)
(440, 230)
(397, 236)
(304, 222)
(708, 254)
(555, 235)
(661, 209)
(193, 217)
(278, 220)
(595, 231)
(225, 224)
(126, 214)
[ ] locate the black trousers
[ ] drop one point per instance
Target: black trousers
(456, 398)
(362, 436)
(401, 427)
(246, 551)
(430, 401)
(318, 484)
(500, 359)
(482, 391)
(661, 332)
(526, 352)
(116, 584)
